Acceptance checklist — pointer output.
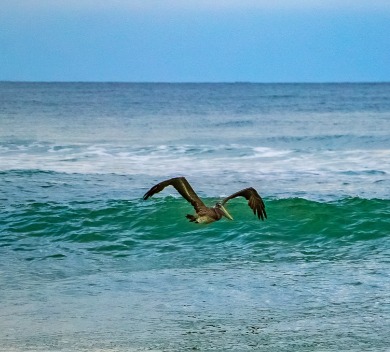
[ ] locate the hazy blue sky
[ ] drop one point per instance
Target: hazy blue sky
(188, 40)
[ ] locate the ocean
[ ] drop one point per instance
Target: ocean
(87, 265)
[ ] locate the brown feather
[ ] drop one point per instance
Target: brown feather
(183, 187)
(255, 202)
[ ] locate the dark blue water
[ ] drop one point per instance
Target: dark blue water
(86, 264)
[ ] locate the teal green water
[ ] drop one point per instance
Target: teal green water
(103, 274)
(313, 276)
(296, 229)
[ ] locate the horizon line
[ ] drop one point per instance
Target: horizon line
(195, 82)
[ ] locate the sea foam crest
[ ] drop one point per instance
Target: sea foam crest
(349, 172)
(166, 159)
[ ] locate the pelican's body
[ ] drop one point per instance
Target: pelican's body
(207, 215)
(204, 214)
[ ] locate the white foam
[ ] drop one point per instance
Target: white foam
(349, 170)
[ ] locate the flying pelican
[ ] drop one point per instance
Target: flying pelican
(205, 214)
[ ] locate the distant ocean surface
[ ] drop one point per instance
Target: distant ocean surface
(87, 265)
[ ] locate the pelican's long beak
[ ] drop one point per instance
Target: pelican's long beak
(226, 213)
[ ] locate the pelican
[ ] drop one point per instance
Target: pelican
(204, 214)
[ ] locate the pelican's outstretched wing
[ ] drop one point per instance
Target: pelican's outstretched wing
(254, 201)
(182, 186)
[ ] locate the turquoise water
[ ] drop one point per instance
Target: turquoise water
(86, 264)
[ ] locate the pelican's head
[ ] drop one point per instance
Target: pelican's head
(223, 210)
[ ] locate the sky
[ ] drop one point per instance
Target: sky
(195, 40)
